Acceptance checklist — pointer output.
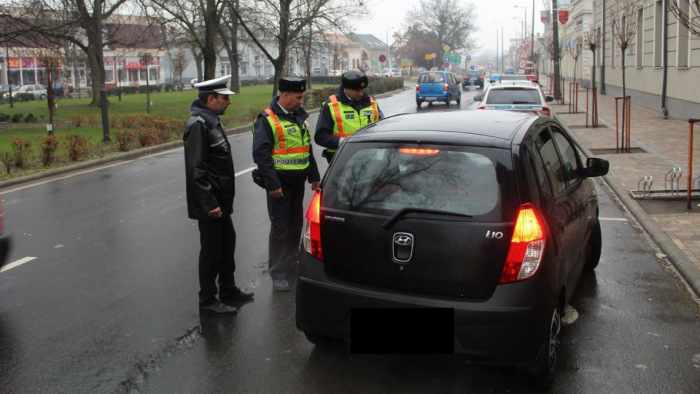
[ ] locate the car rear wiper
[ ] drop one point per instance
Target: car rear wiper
(522, 102)
(389, 222)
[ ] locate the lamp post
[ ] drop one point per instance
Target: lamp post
(524, 17)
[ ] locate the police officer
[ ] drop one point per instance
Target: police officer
(282, 152)
(210, 185)
(345, 112)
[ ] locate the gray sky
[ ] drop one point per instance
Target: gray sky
(390, 15)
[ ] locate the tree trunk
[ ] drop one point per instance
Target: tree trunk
(211, 23)
(624, 104)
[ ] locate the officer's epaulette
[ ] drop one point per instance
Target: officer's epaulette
(200, 119)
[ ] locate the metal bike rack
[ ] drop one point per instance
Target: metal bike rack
(644, 185)
(674, 175)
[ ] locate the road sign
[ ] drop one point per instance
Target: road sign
(446, 48)
(526, 43)
(522, 64)
(366, 68)
(469, 57)
(454, 59)
(382, 58)
(406, 62)
(471, 67)
(428, 56)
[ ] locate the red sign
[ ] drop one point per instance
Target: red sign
(563, 17)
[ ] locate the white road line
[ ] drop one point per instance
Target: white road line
(613, 219)
(16, 263)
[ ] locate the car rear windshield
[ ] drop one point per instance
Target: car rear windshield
(474, 73)
(514, 96)
(431, 78)
(385, 178)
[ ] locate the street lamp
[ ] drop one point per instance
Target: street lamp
(524, 17)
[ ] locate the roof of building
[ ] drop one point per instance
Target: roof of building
(368, 41)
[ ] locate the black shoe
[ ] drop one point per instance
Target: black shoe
(234, 295)
(217, 308)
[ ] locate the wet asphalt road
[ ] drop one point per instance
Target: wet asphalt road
(109, 302)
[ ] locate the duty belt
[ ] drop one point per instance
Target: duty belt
(291, 161)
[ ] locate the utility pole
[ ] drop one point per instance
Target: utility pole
(602, 55)
(555, 50)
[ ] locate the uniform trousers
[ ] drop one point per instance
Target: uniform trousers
(286, 219)
(217, 240)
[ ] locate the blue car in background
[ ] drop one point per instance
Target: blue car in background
(438, 86)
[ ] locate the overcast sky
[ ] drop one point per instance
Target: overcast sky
(390, 15)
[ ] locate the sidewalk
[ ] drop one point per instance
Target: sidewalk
(657, 146)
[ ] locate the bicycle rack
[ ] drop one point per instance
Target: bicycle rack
(673, 175)
(696, 181)
(644, 185)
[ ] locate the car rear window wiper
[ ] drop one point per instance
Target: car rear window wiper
(406, 210)
(523, 102)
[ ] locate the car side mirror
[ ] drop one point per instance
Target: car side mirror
(477, 97)
(596, 167)
(549, 98)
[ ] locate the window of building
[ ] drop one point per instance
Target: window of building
(640, 38)
(683, 52)
(658, 33)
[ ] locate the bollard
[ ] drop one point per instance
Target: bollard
(691, 122)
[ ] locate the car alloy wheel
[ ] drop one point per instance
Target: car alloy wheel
(547, 362)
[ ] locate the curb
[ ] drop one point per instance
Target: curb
(679, 260)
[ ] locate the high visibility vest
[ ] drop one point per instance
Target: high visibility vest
(346, 121)
(291, 149)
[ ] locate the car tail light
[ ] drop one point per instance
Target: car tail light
(526, 247)
(481, 107)
(482, 77)
(311, 234)
(546, 111)
(446, 87)
(464, 77)
(417, 87)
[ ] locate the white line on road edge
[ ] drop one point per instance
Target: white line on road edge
(246, 170)
(17, 263)
(613, 219)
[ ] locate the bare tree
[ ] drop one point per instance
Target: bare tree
(623, 15)
(689, 17)
(447, 22)
(575, 52)
(591, 40)
(87, 26)
(280, 24)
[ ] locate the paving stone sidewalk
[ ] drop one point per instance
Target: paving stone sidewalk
(657, 146)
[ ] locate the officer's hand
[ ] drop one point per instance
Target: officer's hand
(315, 185)
(277, 193)
(215, 213)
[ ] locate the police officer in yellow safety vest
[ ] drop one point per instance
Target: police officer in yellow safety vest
(345, 112)
(282, 151)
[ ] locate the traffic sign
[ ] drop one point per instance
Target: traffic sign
(382, 58)
(446, 48)
(469, 57)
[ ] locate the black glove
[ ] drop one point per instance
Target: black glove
(258, 178)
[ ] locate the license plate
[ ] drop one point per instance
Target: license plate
(430, 98)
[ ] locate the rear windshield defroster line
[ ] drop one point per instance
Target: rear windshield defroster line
(389, 222)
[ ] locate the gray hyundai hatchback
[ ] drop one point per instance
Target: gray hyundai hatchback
(464, 234)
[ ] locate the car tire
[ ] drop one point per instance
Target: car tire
(42, 97)
(321, 340)
(546, 364)
(594, 248)
(418, 103)
(447, 102)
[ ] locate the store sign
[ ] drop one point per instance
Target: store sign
(563, 17)
(13, 62)
(544, 17)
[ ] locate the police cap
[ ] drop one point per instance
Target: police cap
(217, 85)
(354, 79)
(292, 84)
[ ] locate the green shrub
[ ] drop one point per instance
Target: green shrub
(30, 118)
(16, 118)
(5, 118)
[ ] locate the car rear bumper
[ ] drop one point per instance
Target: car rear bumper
(432, 96)
(5, 242)
(508, 328)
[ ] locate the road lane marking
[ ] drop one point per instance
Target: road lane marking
(16, 263)
(612, 219)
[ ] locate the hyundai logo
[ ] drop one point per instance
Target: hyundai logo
(402, 247)
(403, 239)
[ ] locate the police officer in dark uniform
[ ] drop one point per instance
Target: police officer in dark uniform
(210, 182)
(345, 112)
(282, 151)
